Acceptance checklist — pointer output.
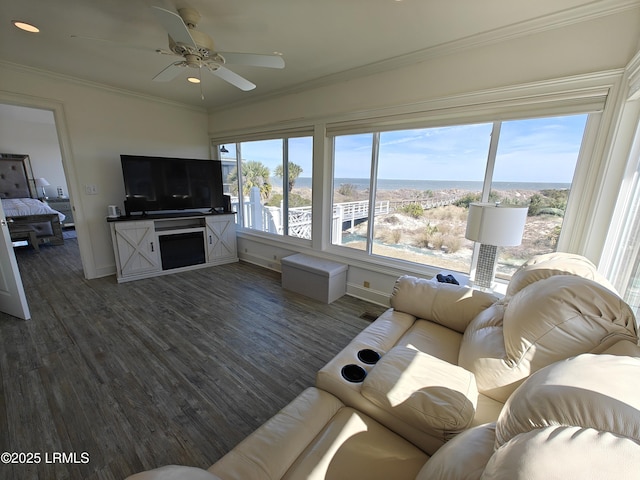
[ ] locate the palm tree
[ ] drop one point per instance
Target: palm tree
(294, 172)
(254, 174)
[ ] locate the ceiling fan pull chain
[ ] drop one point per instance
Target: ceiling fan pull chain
(200, 77)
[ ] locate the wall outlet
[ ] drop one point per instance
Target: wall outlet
(367, 284)
(91, 189)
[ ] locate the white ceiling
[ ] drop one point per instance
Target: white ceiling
(320, 40)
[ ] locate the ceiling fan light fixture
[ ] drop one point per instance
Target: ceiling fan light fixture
(27, 27)
(193, 79)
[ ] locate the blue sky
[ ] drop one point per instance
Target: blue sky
(535, 150)
(269, 152)
(538, 150)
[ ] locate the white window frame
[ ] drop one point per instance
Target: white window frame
(284, 136)
(593, 92)
(486, 187)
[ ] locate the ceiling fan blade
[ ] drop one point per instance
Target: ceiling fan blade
(253, 59)
(169, 73)
(174, 25)
(233, 78)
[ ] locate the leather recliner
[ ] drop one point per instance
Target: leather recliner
(477, 347)
(577, 418)
(458, 368)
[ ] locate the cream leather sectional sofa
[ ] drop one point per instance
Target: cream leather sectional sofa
(452, 382)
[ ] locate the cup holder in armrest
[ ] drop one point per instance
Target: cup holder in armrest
(368, 356)
(353, 373)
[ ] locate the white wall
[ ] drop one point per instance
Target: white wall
(456, 72)
(99, 125)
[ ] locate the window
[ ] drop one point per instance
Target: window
(535, 163)
(228, 159)
(351, 181)
(625, 268)
(622, 255)
(419, 183)
(273, 192)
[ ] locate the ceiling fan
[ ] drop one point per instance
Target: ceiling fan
(197, 50)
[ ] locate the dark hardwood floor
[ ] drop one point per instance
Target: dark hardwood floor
(171, 370)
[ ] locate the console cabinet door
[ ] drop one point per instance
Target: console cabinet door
(138, 249)
(221, 239)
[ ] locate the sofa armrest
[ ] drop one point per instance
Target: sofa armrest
(380, 336)
(452, 306)
(271, 449)
(432, 395)
(174, 472)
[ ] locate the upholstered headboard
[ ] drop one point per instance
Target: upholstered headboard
(14, 177)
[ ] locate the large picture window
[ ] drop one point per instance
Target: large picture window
(404, 194)
(272, 193)
(534, 165)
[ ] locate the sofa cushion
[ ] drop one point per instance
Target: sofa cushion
(463, 457)
(453, 306)
(174, 472)
(565, 453)
(547, 321)
(316, 437)
(563, 316)
(550, 264)
(353, 445)
(424, 391)
(590, 391)
(482, 352)
(434, 339)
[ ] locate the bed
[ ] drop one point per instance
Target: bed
(24, 211)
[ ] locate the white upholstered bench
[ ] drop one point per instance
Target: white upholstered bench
(314, 277)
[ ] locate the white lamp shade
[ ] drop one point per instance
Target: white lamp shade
(42, 182)
(498, 225)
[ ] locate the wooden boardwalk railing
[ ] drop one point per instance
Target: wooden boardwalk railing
(349, 213)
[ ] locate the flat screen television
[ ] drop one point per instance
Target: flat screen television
(163, 184)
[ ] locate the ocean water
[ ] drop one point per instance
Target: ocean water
(363, 184)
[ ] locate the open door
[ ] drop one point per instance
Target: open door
(12, 298)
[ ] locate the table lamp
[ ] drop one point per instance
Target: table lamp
(493, 225)
(42, 182)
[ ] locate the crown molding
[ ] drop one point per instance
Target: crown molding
(583, 89)
(100, 86)
(633, 74)
(565, 18)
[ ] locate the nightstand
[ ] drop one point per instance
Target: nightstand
(62, 205)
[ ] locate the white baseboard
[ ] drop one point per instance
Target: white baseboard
(260, 261)
(368, 294)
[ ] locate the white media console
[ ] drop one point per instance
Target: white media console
(151, 245)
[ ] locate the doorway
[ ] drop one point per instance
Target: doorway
(32, 131)
(36, 127)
